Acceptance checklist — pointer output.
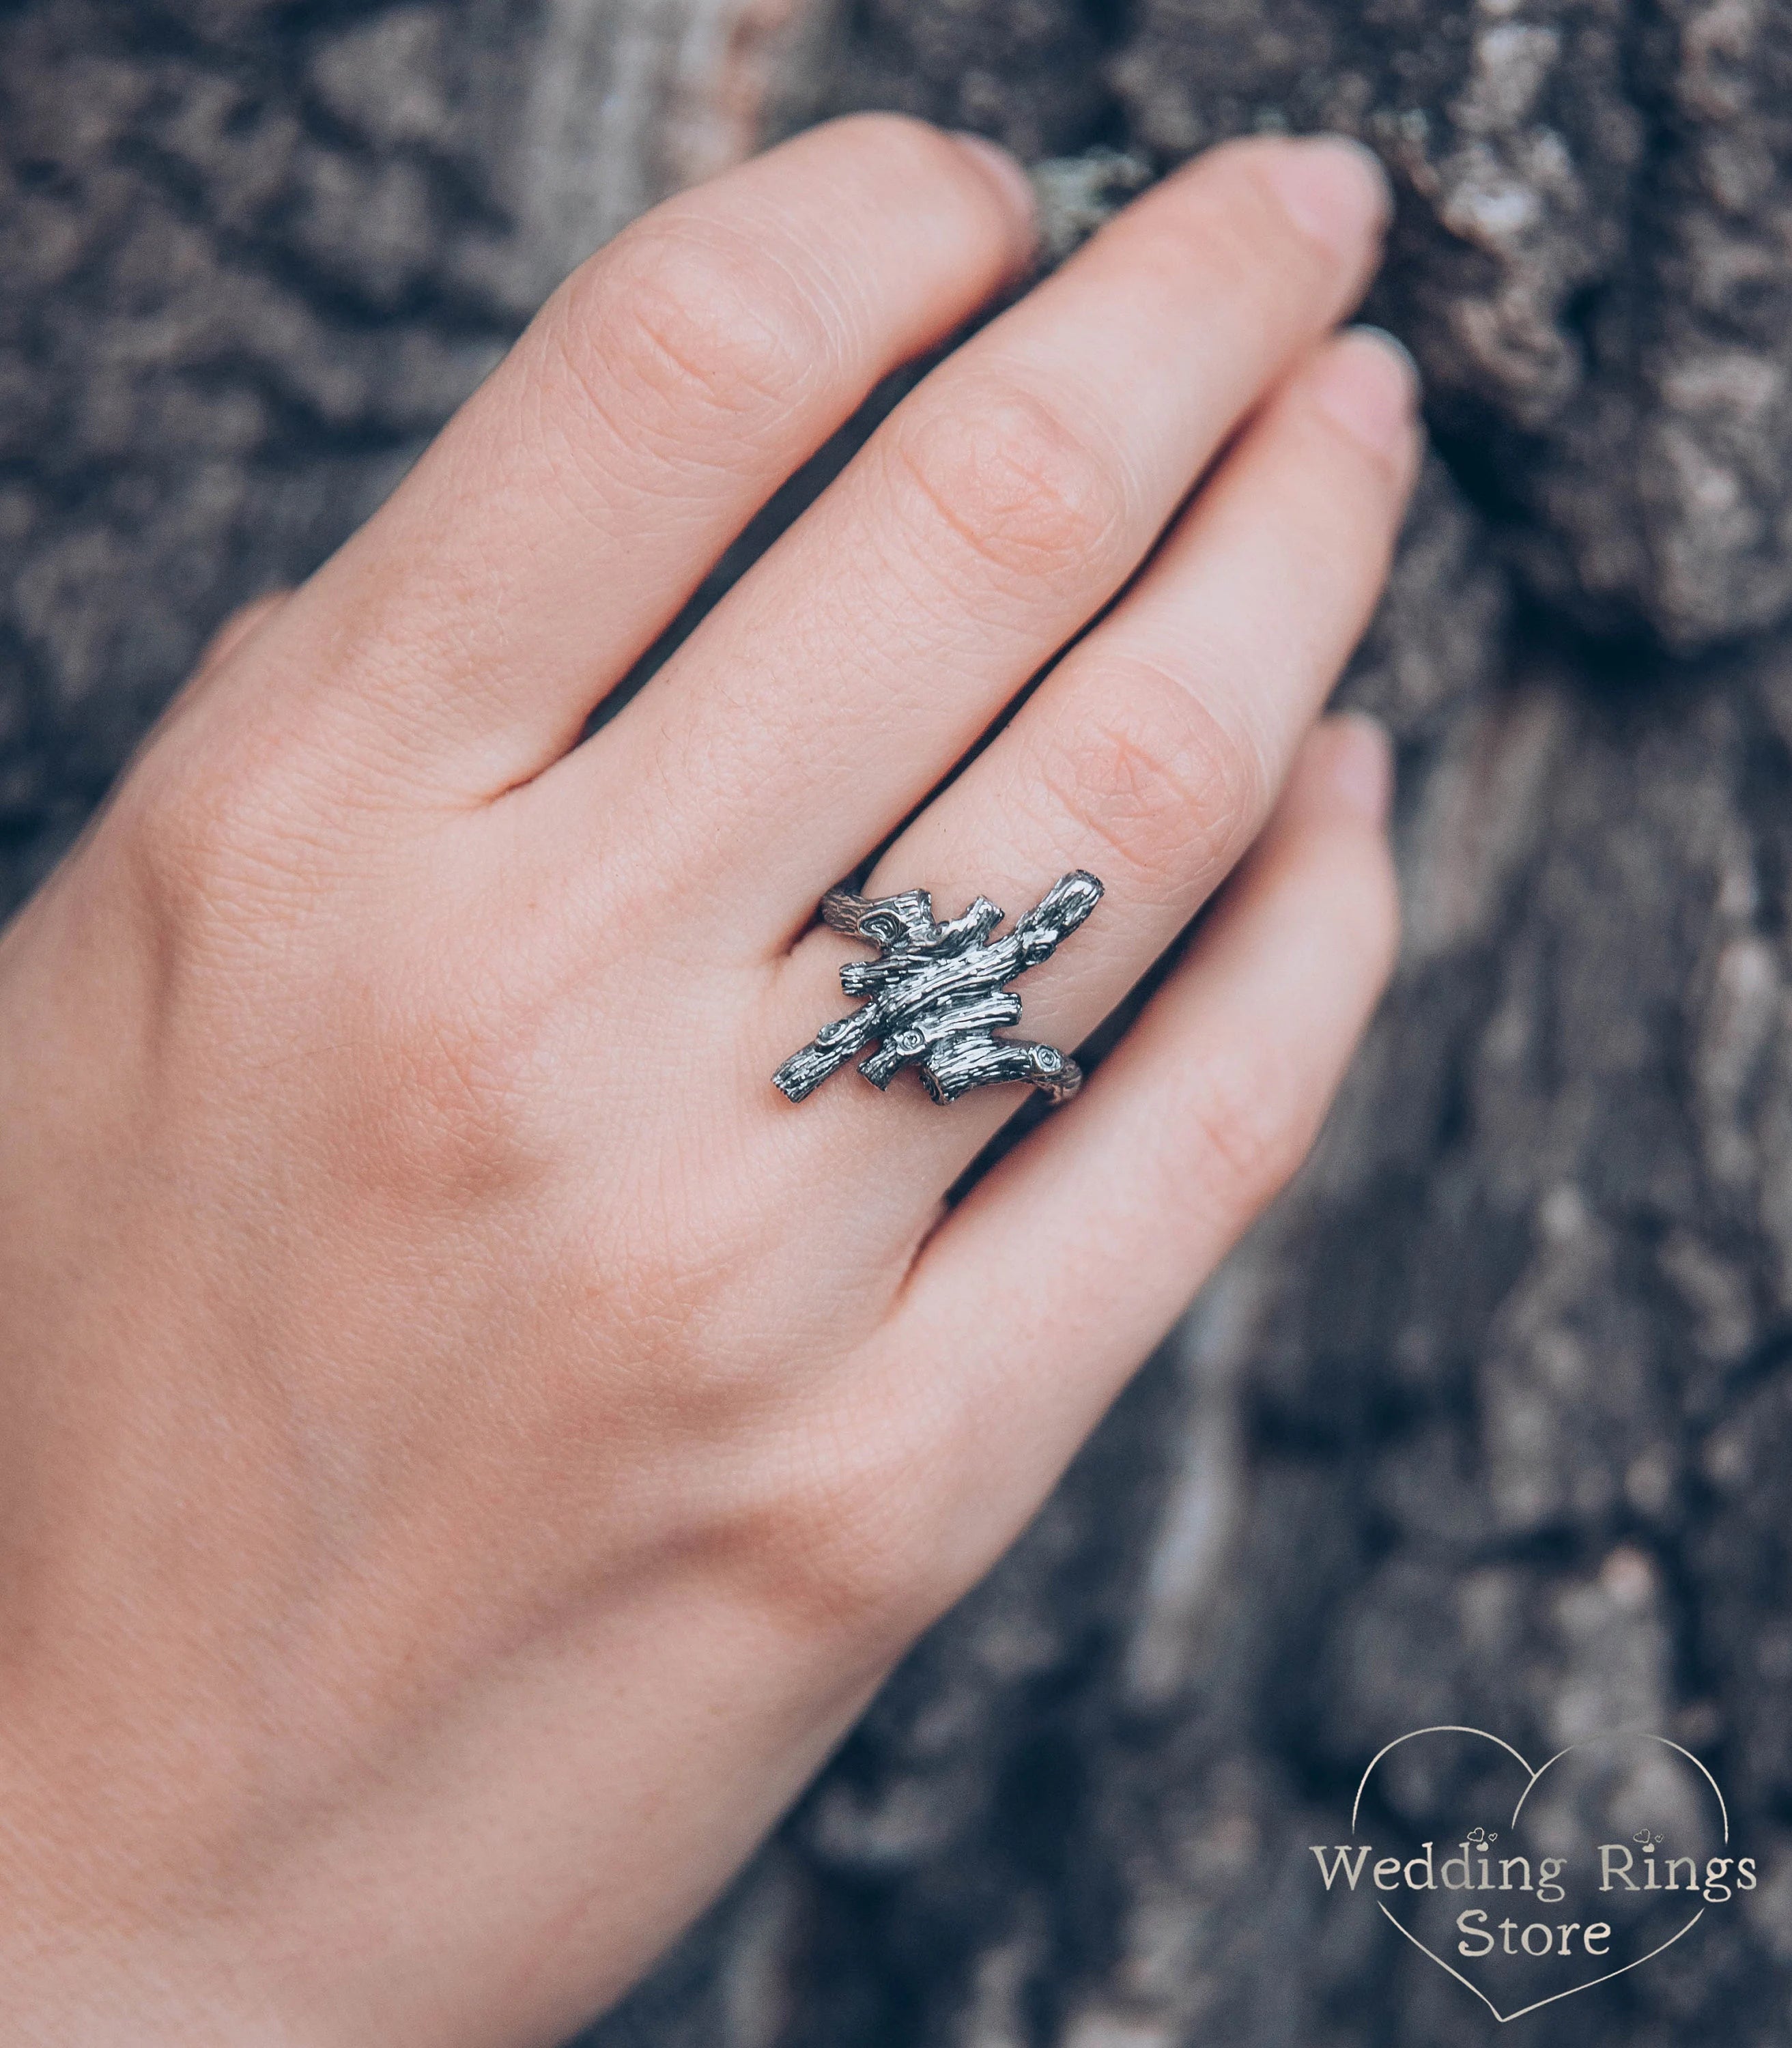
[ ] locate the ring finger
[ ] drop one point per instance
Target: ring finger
(1155, 751)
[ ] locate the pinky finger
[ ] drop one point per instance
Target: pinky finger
(1042, 1292)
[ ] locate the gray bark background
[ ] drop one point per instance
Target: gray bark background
(1490, 1421)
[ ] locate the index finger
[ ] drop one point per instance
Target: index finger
(672, 384)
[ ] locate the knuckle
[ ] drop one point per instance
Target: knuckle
(692, 319)
(450, 1076)
(1152, 776)
(1006, 471)
(211, 831)
(842, 1538)
(448, 1109)
(175, 829)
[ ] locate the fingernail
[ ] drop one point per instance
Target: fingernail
(1334, 189)
(1358, 768)
(1368, 382)
(1398, 350)
(1004, 171)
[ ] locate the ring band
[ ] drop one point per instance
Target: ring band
(937, 994)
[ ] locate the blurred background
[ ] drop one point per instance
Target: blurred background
(1490, 1422)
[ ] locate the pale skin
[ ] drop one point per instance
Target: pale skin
(468, 1446)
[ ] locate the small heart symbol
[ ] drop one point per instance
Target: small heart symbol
(1550, 1804)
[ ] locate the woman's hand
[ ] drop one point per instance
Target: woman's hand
(469, 1446)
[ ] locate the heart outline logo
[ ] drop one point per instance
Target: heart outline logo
(1532, 1777)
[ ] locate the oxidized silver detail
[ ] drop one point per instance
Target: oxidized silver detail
(937, 994)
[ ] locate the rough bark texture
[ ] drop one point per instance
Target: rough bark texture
(1490, 1421)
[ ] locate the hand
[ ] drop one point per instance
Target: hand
(468, 1446)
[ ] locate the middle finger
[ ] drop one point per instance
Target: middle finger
(1003, 503)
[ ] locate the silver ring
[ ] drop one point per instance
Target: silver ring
(937, 994)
